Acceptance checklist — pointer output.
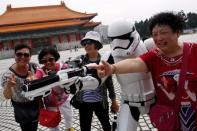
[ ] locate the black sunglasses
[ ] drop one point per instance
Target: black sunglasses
(20, 54)
(89, 42)
(51, 59)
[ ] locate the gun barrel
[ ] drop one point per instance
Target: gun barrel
(35, 84)
(76, 72)
(63, 75)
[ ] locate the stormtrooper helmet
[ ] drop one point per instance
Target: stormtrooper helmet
(124, 38)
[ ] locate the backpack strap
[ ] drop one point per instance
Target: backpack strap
(33, 67)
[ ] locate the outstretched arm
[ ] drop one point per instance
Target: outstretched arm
(129, 66)
(122, 67)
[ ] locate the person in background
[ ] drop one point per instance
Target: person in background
(95, 100)
(12, 81)
(49, 57)
(164, 63)
(76, 48)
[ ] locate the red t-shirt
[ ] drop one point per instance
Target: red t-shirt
(165, 73)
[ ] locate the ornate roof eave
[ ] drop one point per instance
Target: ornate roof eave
(35, 22)
(91, 24)
(38, 26)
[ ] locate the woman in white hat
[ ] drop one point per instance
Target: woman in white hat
(95, 100)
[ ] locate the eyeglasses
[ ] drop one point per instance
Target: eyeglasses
(51, 59)
(89, 42)
(21, 54)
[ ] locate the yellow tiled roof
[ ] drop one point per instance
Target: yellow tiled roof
(41, 14)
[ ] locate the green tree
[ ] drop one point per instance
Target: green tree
(143, 26)
(192, 20)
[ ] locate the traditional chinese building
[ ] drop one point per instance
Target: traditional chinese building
(44, 26)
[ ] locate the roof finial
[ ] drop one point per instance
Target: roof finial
(62, 3)
(9, 6)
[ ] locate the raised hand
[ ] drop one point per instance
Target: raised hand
(103, 69)
(9, 86)
(11, 81)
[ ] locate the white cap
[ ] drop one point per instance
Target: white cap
(92, 35)
(95, 36)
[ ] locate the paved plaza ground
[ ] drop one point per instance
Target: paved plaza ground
(7, 122)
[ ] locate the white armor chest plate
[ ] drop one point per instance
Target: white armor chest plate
(136, 87)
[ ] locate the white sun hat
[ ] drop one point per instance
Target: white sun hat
(94, 36)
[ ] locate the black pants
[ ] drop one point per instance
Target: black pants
(26, 114)
(86, 113)
(30, 126)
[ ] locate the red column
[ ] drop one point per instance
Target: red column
(76, 36)
(51, 40)
(11, 44)
(79, 35)
(30, 43)
(1, 45)
(68, 37)
(60, 38)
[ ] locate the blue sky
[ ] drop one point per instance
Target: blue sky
(113, 10)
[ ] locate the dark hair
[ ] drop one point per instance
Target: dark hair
(48, 50)
(21, 46)
(175, 21)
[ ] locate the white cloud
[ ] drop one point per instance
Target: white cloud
(111, 10)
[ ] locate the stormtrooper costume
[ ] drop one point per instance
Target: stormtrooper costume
(137, 89)
(150, 44)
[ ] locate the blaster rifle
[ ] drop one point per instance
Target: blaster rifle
(64, 79)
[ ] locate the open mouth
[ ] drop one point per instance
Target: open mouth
(162, 44)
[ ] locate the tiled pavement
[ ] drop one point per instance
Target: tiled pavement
(7, 122)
